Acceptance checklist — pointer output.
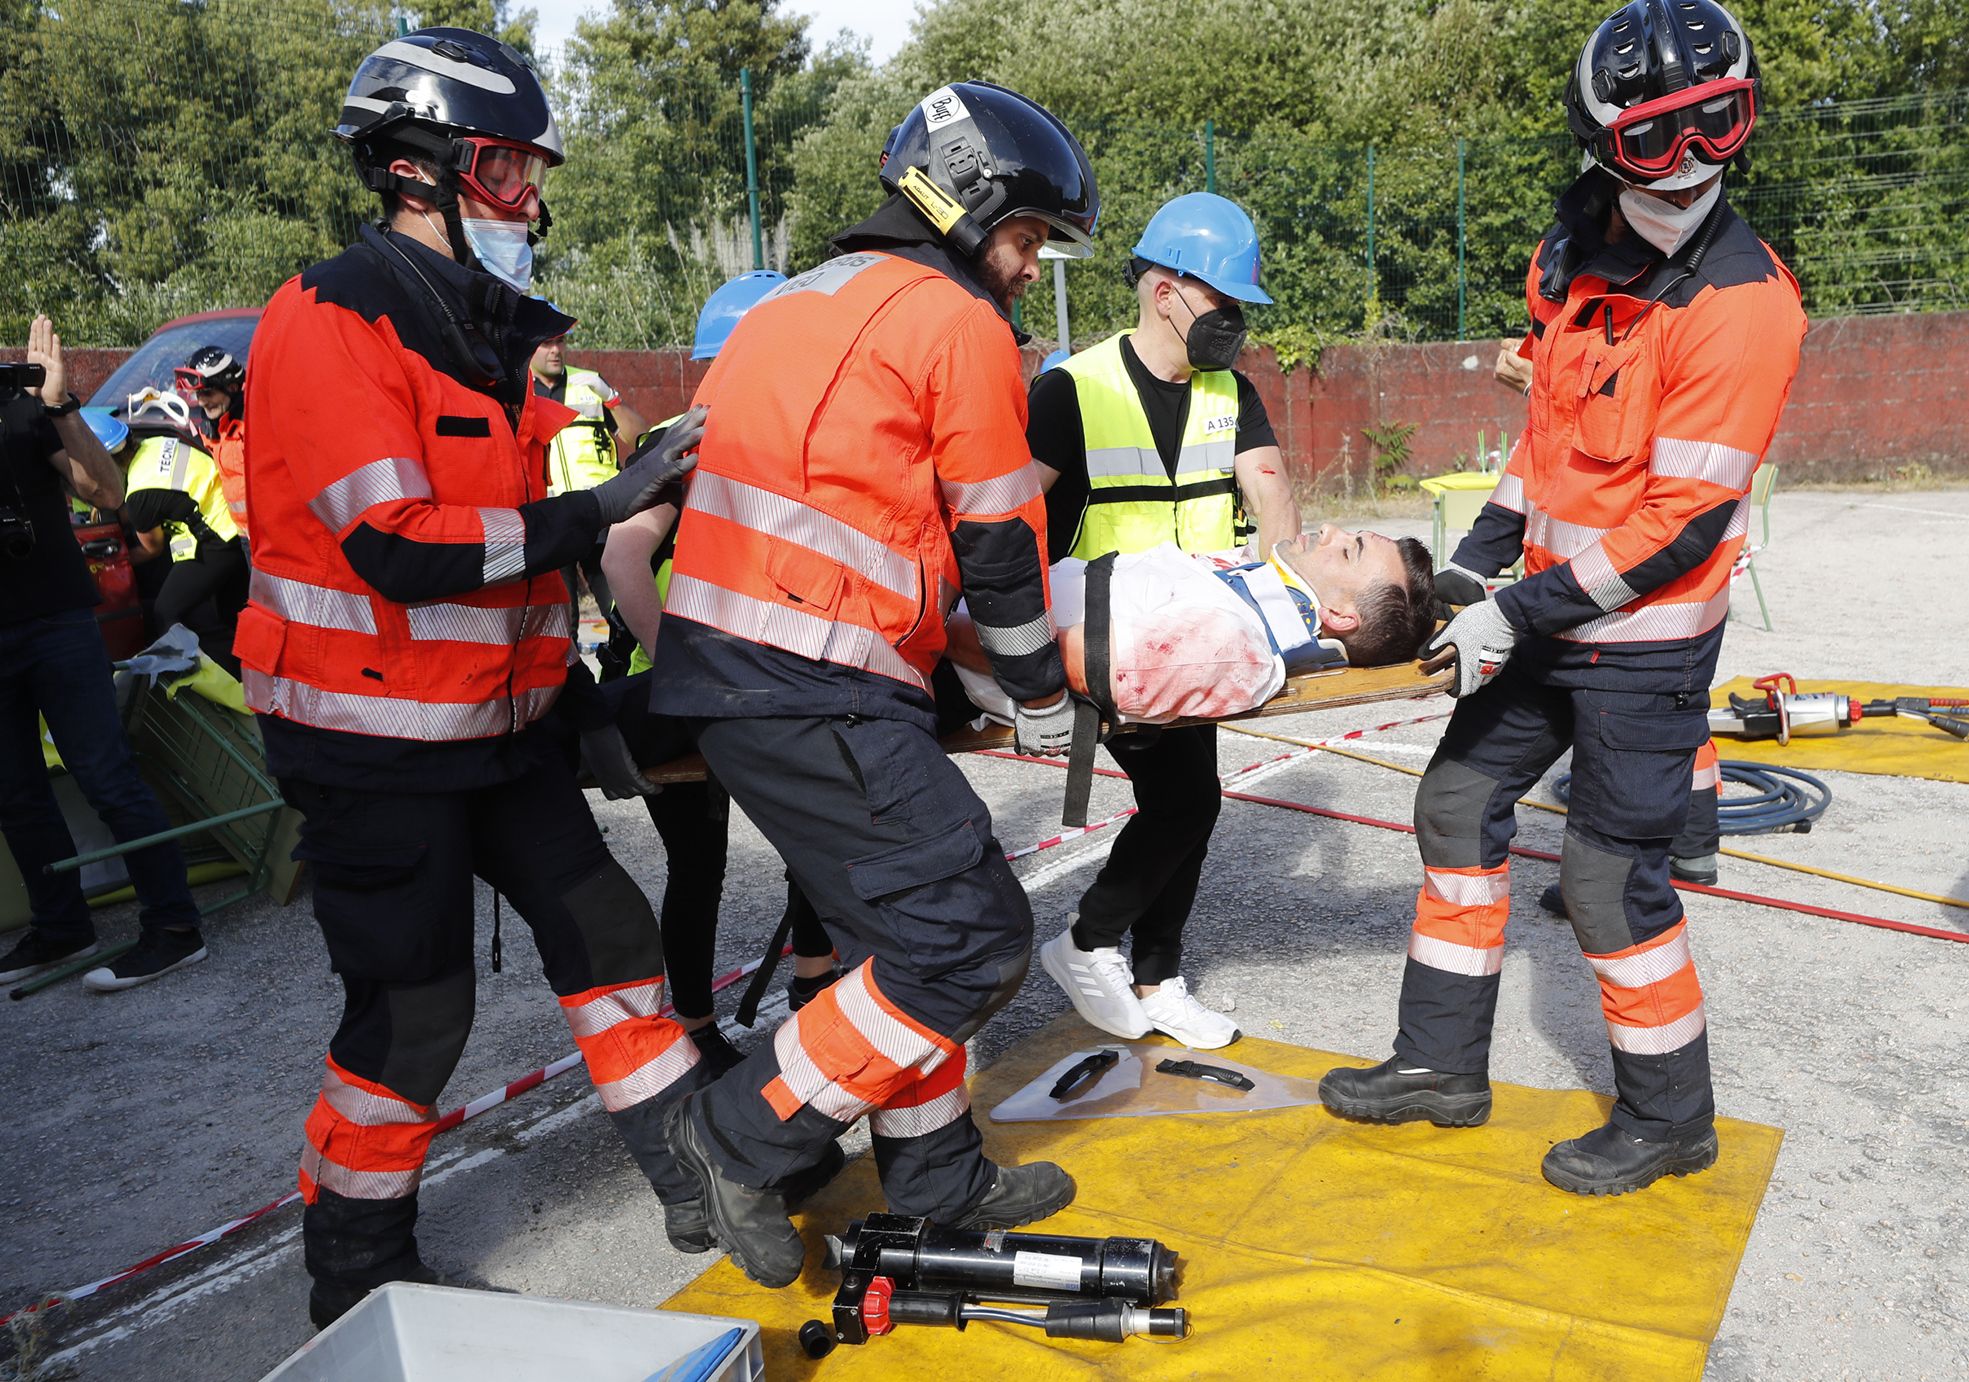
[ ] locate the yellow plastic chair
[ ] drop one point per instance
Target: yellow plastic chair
(1761, 486)
(1459, 497)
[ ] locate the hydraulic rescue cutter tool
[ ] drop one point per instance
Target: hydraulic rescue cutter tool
(1785, 711)
(896, 1269)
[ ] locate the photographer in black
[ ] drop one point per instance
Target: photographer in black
(52, 665)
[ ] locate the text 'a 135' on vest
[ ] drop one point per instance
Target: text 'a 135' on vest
(1133, 503)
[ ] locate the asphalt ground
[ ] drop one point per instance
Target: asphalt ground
(135, 1121)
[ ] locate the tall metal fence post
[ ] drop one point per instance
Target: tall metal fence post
(1210, 155)
(1371, 285)
(1462, 282)
(751, 168)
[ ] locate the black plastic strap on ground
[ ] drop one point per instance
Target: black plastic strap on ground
(1098, 704)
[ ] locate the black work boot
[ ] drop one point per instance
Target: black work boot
(1553, 900)
(353, 1246)
(1694, 868)
(689, 1227)
(1612, 1161)
(715, 1051)
(1020, 1195)
(1395, 1092)
(749, 1224)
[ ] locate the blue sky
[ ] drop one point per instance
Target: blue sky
(885, 23)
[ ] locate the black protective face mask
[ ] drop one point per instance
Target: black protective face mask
(1215, 337)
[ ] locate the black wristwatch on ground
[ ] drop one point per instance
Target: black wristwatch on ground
(65, 409)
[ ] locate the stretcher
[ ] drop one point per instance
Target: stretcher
(1324, 690)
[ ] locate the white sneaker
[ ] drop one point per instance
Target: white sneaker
(1099, 982)
(1173, 1012)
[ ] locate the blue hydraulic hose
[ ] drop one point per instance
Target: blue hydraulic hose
(1780, 799)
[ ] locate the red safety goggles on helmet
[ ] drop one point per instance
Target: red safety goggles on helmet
(1714, 118)
(190, 381)
(500, 174)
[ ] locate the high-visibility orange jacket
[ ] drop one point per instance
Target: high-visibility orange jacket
(405, 556)
(228, 448)
(1656, 389)
(864, 459)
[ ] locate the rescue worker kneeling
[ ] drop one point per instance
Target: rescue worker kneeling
(409, 628)
(865, 459)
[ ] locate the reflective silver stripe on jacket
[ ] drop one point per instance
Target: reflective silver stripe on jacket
(1510, 493)
(379, 482)
(299, 602)
(777, 515)
(1560, 538)
(792, 630)
(1708, 461)
(505, 544)
(1145, 463)
(442, 621)
(1019, 641)
(1653, 623)
(391, 717)
(1603, 585)
(1001, 495)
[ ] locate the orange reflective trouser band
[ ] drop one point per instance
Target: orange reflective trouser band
(893, 847)
(1631, 789)
(394, 894)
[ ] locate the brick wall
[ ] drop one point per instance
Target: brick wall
(1873, 395)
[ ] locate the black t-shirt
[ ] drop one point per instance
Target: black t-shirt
(1054, 433)
(53, 577)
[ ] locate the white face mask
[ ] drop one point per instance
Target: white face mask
(1663, 224)
(503, 249)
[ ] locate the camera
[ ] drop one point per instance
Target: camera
(17, 379)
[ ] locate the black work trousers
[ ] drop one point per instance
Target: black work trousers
(393, 894)
(1149, 882)
(884, 834)
(205, 594)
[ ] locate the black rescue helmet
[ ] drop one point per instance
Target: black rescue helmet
(1665, 92)
(972, 155)
(429, 92)
(211, 367)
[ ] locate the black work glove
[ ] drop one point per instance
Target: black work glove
(1457, 587)
(605, 754)
(659, 461)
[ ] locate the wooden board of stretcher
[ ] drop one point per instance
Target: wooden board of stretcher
(1316, 691)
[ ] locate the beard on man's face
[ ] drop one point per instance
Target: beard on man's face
(1005, 282)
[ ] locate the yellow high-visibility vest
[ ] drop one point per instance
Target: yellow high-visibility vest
(583, 453)
(163, 462)
(1133, 503)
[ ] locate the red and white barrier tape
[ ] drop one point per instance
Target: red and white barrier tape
(486, 1102)
(512, 1089)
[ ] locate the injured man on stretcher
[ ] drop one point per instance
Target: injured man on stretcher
(1212, 636)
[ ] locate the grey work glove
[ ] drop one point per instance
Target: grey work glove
(1047, 731)
(1477, 643)
(1456, 587)
(659, 461)
(605, 754)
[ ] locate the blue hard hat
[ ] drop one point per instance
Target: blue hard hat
(1058, 357)
(111, 430)
(724, 307)
(1207, 237)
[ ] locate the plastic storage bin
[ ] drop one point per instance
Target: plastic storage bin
(409, 1333)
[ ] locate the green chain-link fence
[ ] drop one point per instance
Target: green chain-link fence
(160, 157)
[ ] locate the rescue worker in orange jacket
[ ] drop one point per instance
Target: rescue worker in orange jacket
(1667, 336)
(408, 629)
(864, 462)
(216, 383)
